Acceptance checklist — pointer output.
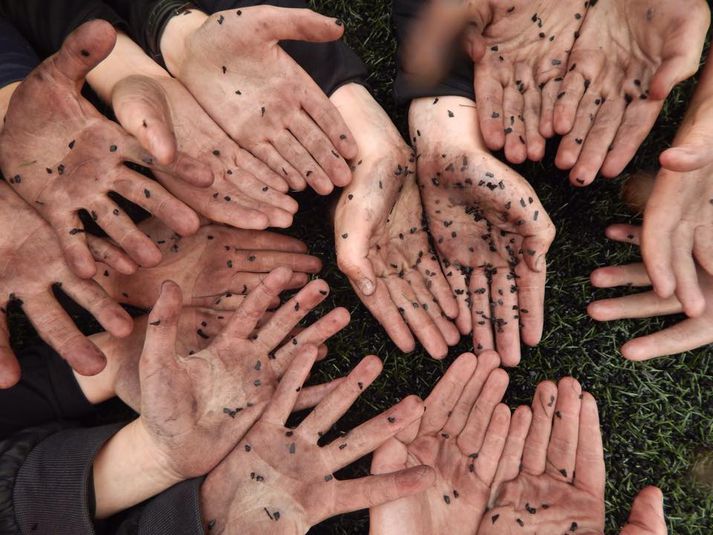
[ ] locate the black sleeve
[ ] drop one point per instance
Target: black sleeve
(47, 391)
(46, 23)
(331, 65)
(17, 58)
(46, 485)
(459, 81)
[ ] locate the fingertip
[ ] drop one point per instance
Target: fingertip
(372, 365)
(633, 351)
(10, 372)
(595, 311)
(489, 358)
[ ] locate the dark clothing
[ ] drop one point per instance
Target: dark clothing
(331, 65)
(458, 83)
(17, 58)
(46, 23)
(47, 392)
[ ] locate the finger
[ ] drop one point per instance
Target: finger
(531, 113)
(316, 334)
(389, 457)
(686, 158)
(568, 101)
(289, 388)
(107, 312)
(445, 395)
(590, 469)
(57, 329)
(387, 314)
(289, 24)
(459, 413)
(628, 275)
(9, 366)
(243, 282)
(459, 287)
(310, 396)
(657, 251)
(246, 317)
(675, 68)
(291, 150)
(352, 258)
(562, 448)
(470, 440)
(637, 306)
(249, 163)
(417, 318)
(511, 459)
(624, 233)
(703, 247)
(330, 121)
(647, 514)
(549, 97)
(481, 313)
(151, 196)
(160, 344)
(103, 251)
(493, 443)
(437, 284)
(274, 160)
(290, 314)
(72, 239)
(684, 336)
(638, 121)
(515, 144)
(262, 261)
(246, 239)
(530, 310)
(373, 433)
(598, 142)
(448, 330)
(688, 290)
(506, 323)
(122, 230)
(490, 109)
(338, 402)
(534, 456)
(370, 491)
(84, 49)
(570, 147)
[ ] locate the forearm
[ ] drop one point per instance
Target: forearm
(128, 470)
(126, 59)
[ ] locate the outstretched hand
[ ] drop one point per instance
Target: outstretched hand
(215, 395)
(31, 267)
(63, 157)
(461, 436)
(233, 65)
(684, 336)
(280, 480)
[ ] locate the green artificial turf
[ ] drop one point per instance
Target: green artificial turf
(657, 417)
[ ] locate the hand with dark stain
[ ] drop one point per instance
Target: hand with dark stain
(279, 479)
(461, 436)
(195, 408)
(489, 228)
(233, 65)
(216, 267)
(244, 193)
(551, 477)
(63, 157)
(687, 335)
(628, 58)
(31, 268)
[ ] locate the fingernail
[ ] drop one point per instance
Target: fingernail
(366, 286)
(541, 263)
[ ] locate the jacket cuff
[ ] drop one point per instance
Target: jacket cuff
(174, 512)
(17, 59)
(54, 491)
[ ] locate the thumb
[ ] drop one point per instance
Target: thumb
(534, 249)
(687, 157)
(389, 457)
(85, 48)
(352, 252)
(162, 329)
(647, 516)
(672, 71)
(289, 24)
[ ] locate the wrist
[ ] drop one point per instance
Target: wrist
(126, 59)
(173, 42)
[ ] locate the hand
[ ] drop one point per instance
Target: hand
(215, 395)
(627, 59)
(279, 480)
(543, 496)
(382, 246)
(520, 50)
(31, 266)
(461, 436)
(245, 193)
(685, 336)
(647, 517)
(215, 268)
(490, 230)
(62, 156)
(232, 63)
